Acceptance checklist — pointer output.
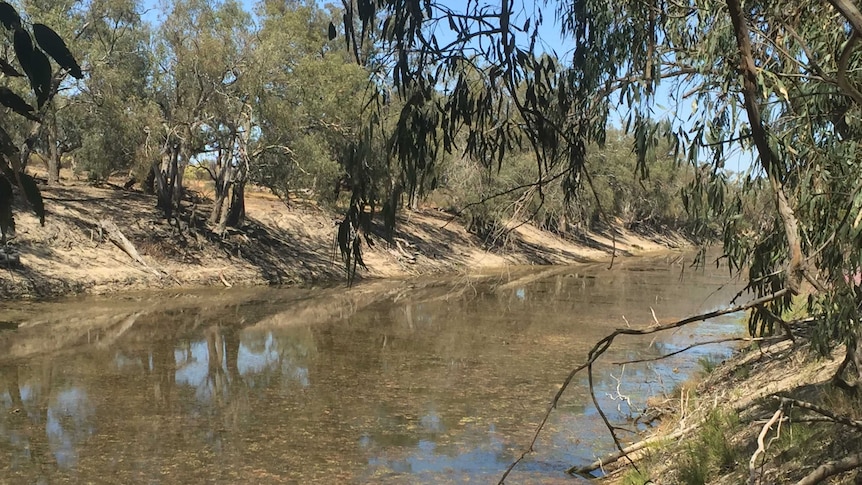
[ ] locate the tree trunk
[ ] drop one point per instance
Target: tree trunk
(236, 213)
(53, 155)
(223, 177)
(168, 178)
(161, 184)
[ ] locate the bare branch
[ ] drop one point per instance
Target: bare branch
(821, 411)
(761, 446)
(602, 346)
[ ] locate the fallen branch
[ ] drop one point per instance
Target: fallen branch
(602, 346)
(617, 455)
(119, 239)
(761, 446)
(110, 229)
(223, 280)
(821, 411)
(827, 470)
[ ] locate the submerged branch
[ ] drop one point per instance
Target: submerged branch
(602, 346)
(701, 344)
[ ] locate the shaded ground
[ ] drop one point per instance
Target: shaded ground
(279, 244)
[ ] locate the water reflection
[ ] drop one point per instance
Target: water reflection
(422, 381)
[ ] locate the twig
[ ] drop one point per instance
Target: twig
(761, 446)
(701, 344)
(602, 346)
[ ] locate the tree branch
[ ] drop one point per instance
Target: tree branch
(602, 346)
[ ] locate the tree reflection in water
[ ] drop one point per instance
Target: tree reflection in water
(431, 381)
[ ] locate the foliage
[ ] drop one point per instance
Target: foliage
(635, 477)
(618, 192)
(711, 450)
(778, 79)
(32, 61)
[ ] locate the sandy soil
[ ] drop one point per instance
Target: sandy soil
(280, 244)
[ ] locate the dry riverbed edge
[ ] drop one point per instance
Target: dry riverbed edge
(281, 244)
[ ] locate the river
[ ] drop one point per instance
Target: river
(430, 380)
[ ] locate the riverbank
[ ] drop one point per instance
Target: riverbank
(281, 244)
(756, 418)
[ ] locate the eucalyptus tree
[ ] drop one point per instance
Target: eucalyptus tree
(777, 78)
(200, 53)
(309, 99)
(112, 110)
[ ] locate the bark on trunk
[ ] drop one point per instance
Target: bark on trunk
(53, 161)
(236, 213)
(796, 267)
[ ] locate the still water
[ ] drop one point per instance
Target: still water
(433, 380)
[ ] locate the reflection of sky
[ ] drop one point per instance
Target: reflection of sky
(193, 369)
(425, 457)
(123, 362)
(68, 425)
(253, 359)
(251, 363)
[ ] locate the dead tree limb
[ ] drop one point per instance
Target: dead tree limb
(821, 411)
(119, 239)
(832, 468)
(761, 445)
(618, 455)
(602, 346)
(110, 229)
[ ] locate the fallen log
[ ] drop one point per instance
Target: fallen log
(832, 468)
(113, 233)
(616, 456)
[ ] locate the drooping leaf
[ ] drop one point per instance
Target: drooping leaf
(35, 65)
(9, 16)
(42, 76)
(54, 46)
(9, 150)
(8, 69)
(11, 100)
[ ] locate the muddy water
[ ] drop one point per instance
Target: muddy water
(425, 381)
